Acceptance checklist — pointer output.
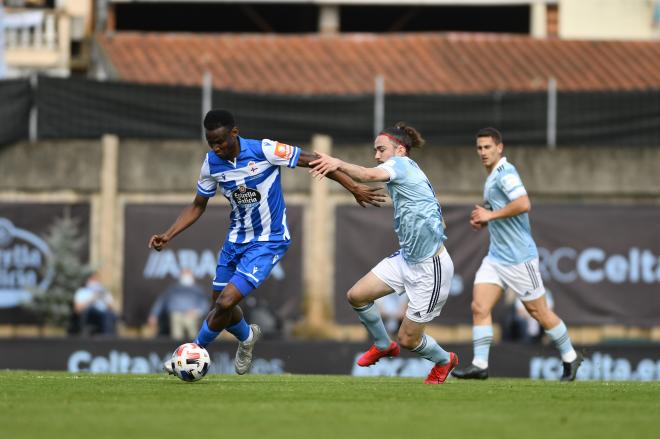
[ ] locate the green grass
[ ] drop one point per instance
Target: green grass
(59, 405)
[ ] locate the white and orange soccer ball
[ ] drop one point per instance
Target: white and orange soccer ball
(190, 362)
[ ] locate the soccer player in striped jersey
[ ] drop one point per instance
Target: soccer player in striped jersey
(512, 260)
(247, 173)
(422, 268)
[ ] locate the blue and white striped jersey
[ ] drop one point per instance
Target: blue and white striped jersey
(511, 239)
(252, 185)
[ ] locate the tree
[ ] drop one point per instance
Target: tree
(54, 306)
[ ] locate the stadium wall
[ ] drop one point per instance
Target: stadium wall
(602, 362)
(155, 168)
(165, 172)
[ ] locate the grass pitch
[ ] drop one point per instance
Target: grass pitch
(60, 405)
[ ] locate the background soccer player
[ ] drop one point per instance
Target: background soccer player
(247, 172)
(422, 267)
(512, 260)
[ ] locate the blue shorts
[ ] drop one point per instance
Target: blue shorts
(247, 265)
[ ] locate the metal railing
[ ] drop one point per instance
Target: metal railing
(30, 30)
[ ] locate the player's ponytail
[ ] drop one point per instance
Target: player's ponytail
(416, 139)
(405, 135)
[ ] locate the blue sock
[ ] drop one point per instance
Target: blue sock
(431, 350)
(371, 319)
(482, 337)
(240, 330)
(206, 335)
(559, 335)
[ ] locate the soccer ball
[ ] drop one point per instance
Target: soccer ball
(190, 362)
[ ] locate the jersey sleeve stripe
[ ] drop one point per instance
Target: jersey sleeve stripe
(390, 170)
(294, 158)
(517, 192)
(204, 192)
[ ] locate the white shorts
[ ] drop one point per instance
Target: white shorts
(524, 279)
(426, 284)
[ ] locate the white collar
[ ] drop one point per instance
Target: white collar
(499, 163)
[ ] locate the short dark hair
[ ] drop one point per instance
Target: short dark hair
(215, 119)
(490, 132)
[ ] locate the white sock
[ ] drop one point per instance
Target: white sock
(249, 339)
(481, 364)
(569, 357)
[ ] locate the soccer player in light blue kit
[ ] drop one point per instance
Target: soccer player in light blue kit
(422, 268)
(247, 172)
(512, 261)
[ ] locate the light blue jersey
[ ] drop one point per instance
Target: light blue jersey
(511, 239)
(417, 213)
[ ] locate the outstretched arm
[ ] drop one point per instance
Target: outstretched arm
(325, 164)
(363, 194)
(188, 216)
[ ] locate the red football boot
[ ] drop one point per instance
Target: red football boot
(440, 372)
(374, 354)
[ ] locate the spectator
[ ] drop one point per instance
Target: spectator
(181, 307)
(95, 308)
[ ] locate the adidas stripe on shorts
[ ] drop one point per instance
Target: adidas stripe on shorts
(427, 284)
(524, 279)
